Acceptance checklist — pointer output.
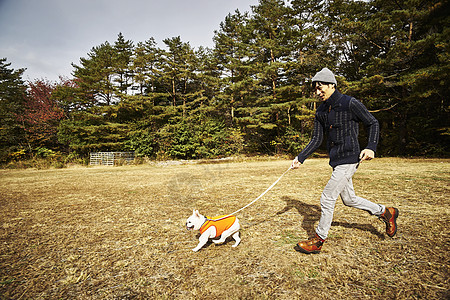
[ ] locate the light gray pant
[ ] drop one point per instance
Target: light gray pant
(341, 183)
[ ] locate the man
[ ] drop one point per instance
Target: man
(338, 116)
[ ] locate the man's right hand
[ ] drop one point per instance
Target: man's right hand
(295, 163)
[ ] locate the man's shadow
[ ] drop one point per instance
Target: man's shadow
(311, 215)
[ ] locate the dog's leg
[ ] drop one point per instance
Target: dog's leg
(222, 239)
(201, 242)
(236, 238)
(230, 231)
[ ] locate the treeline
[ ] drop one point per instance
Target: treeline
(250, 93)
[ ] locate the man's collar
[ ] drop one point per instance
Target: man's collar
(334, 98)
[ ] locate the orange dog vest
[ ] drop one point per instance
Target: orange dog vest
(220, 225)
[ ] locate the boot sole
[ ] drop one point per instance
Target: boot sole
(395, 223)
(300, 249)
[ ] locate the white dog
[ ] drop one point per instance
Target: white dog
(211, 228)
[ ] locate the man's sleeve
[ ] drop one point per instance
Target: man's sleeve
(369, 121)
(316, 141)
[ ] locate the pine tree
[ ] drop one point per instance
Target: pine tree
(178, 67)
(268, 53)
(95, 75)
(207, 77)
(12, 96)
(398, 63)
(90, 132)
(231, 52)
(123, 51)
(144, 66)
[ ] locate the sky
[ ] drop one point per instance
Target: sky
(47, 36)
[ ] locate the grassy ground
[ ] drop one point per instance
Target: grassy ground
(118, 233)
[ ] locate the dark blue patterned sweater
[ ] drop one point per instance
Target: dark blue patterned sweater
(339, 118)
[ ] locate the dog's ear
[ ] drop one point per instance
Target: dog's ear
(196, 213)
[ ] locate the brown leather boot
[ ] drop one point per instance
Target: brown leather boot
(390, 218)
(312, 245)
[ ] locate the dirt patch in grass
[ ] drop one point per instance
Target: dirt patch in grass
(118, 232)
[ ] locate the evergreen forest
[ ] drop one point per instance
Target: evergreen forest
(251, 93)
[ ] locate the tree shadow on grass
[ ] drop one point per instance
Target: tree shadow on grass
(311, 215)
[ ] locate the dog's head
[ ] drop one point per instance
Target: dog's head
(195, 221)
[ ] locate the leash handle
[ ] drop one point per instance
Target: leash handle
(259, 197)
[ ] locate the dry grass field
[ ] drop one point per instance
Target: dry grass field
(119, 232)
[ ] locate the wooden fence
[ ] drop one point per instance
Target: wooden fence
(111, 158)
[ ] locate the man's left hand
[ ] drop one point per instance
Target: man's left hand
(366, 154)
